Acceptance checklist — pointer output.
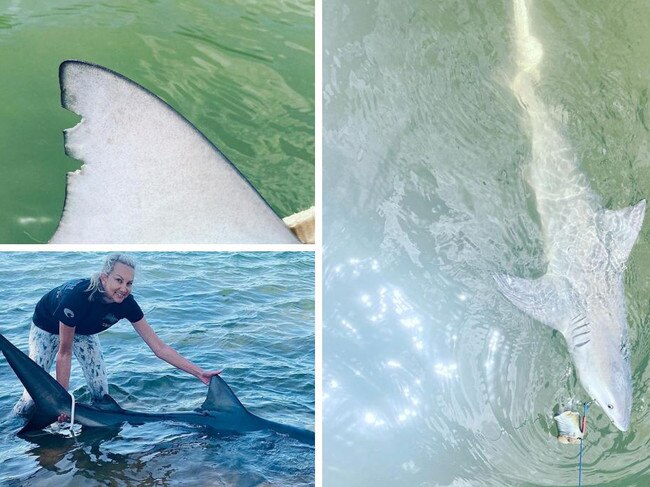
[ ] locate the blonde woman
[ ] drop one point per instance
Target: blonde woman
(68, 319)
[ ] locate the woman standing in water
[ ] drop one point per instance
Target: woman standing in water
(69, 317)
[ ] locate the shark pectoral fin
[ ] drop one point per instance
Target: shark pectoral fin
(221, 398)
(620, 228)
(38, 420)
(538, 298)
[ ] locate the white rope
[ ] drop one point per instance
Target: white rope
(72, 416)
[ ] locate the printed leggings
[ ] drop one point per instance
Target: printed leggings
(43, 347)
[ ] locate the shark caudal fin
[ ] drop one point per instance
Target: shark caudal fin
(619, 230)
(221, 398)
(528, 56)
(37, 421)
(165, 169)
(49, 396)
(544, 299)
(529, 50)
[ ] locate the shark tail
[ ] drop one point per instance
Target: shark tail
(529, 50)
(528, 54)
(49, 396)
(37, 421)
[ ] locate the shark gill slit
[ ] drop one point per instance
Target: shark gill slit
(580, 334)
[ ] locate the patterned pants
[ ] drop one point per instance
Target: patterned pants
(43, 347)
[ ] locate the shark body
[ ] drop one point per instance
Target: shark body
(221, 412)
(582, 293)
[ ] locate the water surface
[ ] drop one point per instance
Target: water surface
(430, 376)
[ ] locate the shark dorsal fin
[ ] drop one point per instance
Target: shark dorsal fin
(543, 298)
(107, 403)
(619, 230)
(221, 398)
(128, 135)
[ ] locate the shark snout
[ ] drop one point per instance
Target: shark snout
(617, 405)
(623, 425)
(619, 418)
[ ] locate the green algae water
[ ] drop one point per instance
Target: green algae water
(241, 72)
(431, 377)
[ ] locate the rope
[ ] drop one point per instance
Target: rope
(72, 415)
(583, 428)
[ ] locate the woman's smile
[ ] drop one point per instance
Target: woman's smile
(117, 285)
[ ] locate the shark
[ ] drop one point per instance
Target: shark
(148, 174)
(221, 412)
(582, 293)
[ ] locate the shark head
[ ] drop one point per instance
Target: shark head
(614, 395)
(600, 349)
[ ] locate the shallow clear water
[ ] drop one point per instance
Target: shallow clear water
(251, 314)
(241, 72)
(430, 376)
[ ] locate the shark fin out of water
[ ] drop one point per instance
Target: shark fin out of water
(222, 412)
(582, 293)
(149, 176)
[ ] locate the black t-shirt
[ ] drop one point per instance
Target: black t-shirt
(69, 304)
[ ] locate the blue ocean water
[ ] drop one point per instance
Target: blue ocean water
(251, 314)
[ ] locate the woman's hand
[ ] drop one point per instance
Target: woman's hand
(62, 418)
(206, 375)
(169, 355)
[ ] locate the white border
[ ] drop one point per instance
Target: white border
(318, 148)
(160, 247)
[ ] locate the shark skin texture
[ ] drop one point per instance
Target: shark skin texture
(582, 293)
(221, 412)
(149, 176)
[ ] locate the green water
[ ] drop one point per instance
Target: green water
(431, 377)
(241, 72)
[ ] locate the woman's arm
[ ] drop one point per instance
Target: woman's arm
(169, 355)
(64, 354)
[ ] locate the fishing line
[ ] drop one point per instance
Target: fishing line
(583, 427)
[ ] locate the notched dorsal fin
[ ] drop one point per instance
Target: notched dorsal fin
(620, 228)
(221, 398)
(129, 136)
(107, 403)
(540, 298)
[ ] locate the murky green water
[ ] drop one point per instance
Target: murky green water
(430, 376)
(242, 72)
